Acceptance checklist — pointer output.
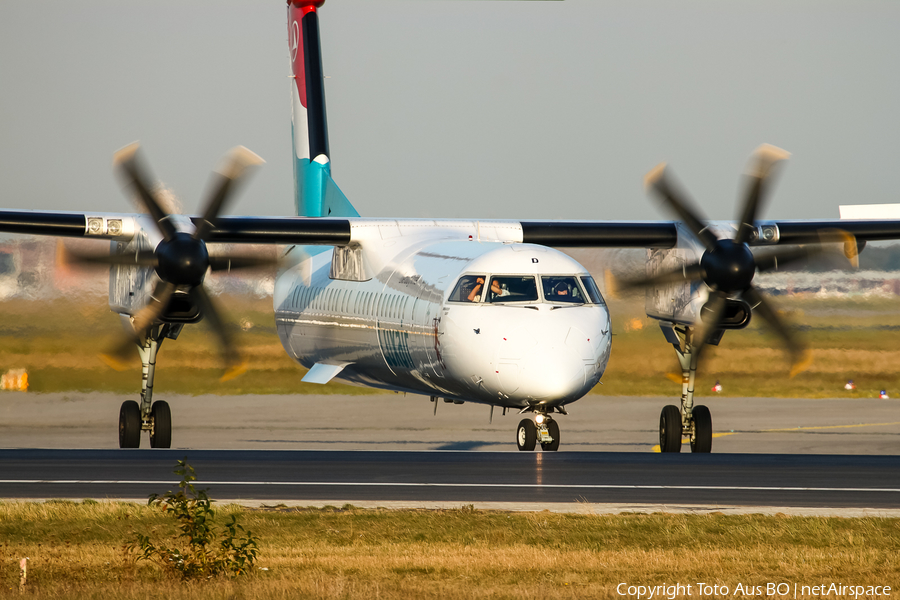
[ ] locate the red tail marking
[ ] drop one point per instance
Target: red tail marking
(297, 9)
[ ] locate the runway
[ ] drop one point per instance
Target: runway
(769, 454)
(397, 422)
(463, 477)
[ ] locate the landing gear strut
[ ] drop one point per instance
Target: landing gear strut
(544, 430)
(693, 422)
(153, 417)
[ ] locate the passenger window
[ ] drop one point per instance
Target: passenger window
(562, 289)
(512, 289)
(469, 289)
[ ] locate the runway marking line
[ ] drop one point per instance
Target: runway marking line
(599, 486)
(785, 429)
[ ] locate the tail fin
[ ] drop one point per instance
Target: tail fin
(315, 193)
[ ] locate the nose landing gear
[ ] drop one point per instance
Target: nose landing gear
(543, 429)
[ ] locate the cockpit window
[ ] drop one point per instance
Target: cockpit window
(562, 289)
(512, 289)
(469, 289)
(593, 292)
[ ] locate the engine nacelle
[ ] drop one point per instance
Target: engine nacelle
(737, 314)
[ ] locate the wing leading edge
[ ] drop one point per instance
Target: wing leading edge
(338, 232)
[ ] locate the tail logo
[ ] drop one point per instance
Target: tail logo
(295, 40)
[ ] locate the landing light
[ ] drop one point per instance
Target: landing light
(539, 419)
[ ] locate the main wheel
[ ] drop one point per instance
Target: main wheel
(670, 429)
(160, 425)
(526, 435)
(553, 428)
(130, 425)
(701, 441)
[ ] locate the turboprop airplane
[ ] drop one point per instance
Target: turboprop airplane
(484, 311)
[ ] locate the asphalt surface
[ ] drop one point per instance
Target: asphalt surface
(396, 422)
(834, 456)
(730, 479)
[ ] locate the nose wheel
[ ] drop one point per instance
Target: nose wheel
(526, 435)
(545, 432)
(553, 430)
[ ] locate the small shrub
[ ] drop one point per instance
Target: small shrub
(206, 552)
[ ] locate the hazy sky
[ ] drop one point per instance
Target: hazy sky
(459, 109)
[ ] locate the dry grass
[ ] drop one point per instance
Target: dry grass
(76, 552)
(849, 339)
(57, 341)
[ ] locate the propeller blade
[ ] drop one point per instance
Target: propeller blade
(135, 173)
(118, 357)
(710, 317)
(762, 162)
(801, 357)
(234, 364)
(782, 257)
(849, 245)
(689, 272)
(233, 262)
(657, 181)
(225, 180)
(143, 258)
(771, 261)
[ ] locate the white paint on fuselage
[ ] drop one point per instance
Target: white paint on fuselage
(398, 330)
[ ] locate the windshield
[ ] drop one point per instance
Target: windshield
(512, 289)
(468, 289)
(562, 289)
(593, 293)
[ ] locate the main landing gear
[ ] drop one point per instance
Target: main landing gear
(544, 430)
(693, 422)
(153, 417)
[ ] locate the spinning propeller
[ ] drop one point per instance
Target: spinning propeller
(727, 266)
(181, 259)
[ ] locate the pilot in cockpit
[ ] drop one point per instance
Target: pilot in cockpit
(562, 290)
(498, 290)
(475, 294)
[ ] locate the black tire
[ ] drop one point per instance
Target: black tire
(526, 435)
(130, 425)
(670, 429)
(553, 446)
(702, 438)
(161, 425)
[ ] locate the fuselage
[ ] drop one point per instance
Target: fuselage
(416, 325)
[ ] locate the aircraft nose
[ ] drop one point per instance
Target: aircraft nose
(552, 372)
(550, 369)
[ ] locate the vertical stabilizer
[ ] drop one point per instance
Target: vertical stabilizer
(315, 193)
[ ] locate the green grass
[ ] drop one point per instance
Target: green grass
(76, 551)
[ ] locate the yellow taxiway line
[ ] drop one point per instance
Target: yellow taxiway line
(723, 434)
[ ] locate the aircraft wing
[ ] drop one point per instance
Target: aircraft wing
(338, 231)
